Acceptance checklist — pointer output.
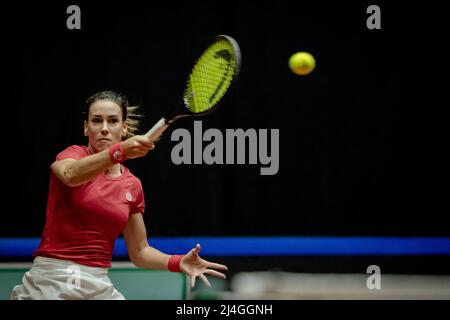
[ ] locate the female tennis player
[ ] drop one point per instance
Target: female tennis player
(93, 198)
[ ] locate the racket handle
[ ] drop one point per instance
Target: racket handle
(155, 132)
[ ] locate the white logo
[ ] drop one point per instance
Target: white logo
(128, 196)
(74, 280)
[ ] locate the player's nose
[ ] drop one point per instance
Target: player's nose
(105, 128)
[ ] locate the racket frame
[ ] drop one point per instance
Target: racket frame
(181, 110)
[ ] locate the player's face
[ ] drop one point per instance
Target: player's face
(105, 125)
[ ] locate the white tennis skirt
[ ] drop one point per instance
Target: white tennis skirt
(55, 279)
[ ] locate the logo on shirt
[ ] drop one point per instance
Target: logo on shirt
(128, 196)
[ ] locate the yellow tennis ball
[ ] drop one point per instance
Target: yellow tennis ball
(302, 63)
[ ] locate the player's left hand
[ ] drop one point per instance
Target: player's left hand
(194, 267)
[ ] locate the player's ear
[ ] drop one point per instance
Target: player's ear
(125, 129)
(85, 128)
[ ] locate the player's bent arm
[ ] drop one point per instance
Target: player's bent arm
(74, 173)
(140, 252)
(77, 172)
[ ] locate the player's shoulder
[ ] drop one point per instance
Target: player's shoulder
(73, 151)
(77, 148)
(130, 176)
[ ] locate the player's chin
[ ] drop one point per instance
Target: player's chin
(103, 145)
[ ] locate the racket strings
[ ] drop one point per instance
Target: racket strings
(211, 77)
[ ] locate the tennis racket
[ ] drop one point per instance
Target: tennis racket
(207, 84)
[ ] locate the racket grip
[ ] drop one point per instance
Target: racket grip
(155, 132)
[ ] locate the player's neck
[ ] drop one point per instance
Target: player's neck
(114, 171)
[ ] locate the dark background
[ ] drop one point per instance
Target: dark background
(356, 155)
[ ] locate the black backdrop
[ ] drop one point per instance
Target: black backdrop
(355, 135)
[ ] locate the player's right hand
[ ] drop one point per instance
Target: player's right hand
(137, 146)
